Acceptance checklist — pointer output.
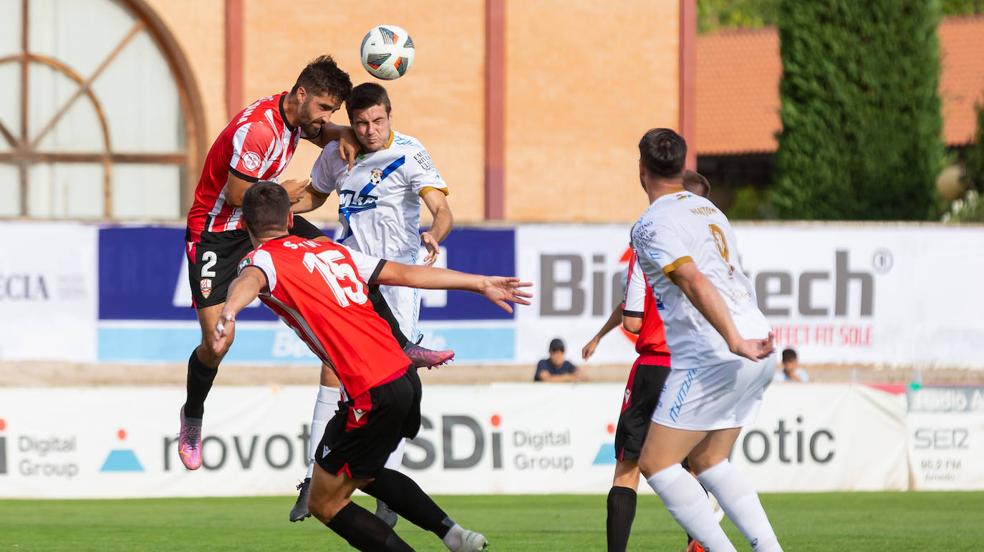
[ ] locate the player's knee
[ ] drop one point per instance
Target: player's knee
(648, 465)
(702, 461)
(324, 507)
(210, 353)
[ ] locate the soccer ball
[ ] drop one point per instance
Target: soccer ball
(387, 52)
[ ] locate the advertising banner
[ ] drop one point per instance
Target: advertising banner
(500, 439)
(145, 312)
(837, 293)
(946, 438)
(48, 292)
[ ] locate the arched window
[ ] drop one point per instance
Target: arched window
(99, 115)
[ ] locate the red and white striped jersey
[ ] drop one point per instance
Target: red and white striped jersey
(256, 145)
(319, 289)
(641, 301)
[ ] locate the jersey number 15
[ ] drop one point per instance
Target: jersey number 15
(335, 275)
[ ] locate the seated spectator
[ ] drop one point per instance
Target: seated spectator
(556, 368)
(790, 369)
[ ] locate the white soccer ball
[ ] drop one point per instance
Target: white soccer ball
(387, 52)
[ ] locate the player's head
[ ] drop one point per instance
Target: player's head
(695, 183)
(319, 91)
(662, 153)
(369, 109)
(789, 358)
(266, 210)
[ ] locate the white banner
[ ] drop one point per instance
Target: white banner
(946, 438)
(48, 292)
(503, 438)
(837, 294)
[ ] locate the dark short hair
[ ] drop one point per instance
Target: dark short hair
(265, 208)
(323, 76)
(663, 152)
(788, 355)
(367, 95)
(556, 344)
(696, 183)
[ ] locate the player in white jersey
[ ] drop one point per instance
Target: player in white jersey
(722, 347)
(379, 211)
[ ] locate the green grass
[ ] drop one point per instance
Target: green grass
(804, 522)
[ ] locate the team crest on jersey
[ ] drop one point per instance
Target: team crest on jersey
(376, 176)
(251, 160)
(206, 287)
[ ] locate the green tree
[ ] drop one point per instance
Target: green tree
(860, 110)
(974, 169)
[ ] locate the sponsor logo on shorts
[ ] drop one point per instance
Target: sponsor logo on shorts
(251, 160)
(206, 287)
(325, 451)
(682, 395)
(358, 413)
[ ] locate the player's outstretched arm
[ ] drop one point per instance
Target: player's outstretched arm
(348, 146)
(309, 200)
(500, 290)
(614, 319)
(708, 301)
(243, 290)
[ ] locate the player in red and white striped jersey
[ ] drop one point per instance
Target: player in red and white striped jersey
(257, 144)
(320, 290)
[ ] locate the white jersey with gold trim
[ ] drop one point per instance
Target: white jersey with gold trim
(681, 228)
(379, 199)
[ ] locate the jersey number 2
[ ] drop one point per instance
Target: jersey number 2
(334, 273)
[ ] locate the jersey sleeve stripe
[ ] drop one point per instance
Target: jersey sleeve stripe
(245, 177)
(376, 271)
(677, 264)
(238, 141)
(632, 314)
(426, 189)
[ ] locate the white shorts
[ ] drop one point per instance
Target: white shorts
(405, 304)
(716, 397)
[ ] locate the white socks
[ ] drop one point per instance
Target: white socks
(689, 506)
(395, 460)
(740, 501)
(324, 409)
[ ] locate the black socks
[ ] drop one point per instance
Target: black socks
(621, 512)
(406, 498)
(200, 378)
(365, 531)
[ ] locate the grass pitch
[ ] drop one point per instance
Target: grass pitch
(804, 522)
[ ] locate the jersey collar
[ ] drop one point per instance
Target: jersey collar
(283, 114)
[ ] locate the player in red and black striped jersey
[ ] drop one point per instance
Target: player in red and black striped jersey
(320, 290)
(639, 315)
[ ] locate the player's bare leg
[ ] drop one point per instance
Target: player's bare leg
(203, 365)
(331, 502)
(733, 491)
(324, 408)
(622, 504)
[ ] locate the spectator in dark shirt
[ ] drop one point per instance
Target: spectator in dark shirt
(556, 368)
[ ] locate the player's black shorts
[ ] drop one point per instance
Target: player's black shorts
(214, 260)
(366, 429)
(642, 392)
